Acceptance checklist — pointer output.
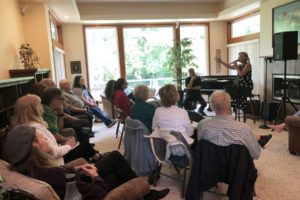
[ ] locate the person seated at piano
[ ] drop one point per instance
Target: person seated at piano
(245, 83)
(193, 94)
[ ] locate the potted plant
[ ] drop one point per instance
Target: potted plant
(180, 57)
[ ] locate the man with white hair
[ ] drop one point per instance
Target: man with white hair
(223, 130)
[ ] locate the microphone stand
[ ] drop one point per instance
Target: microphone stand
(264, 125)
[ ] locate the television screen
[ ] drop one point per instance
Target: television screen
(287, 18)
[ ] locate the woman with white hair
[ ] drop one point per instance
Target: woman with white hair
(142, 110)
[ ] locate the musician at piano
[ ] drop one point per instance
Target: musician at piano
(245, 84)
(193, 94)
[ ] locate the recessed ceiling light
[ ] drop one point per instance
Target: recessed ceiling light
(66, 17)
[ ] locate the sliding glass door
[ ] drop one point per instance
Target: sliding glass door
(102, 57)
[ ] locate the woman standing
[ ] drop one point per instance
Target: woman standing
(245, 84)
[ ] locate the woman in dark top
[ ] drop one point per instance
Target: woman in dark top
(142, 110)
(245, 83)
(27, 151)
(109, 89)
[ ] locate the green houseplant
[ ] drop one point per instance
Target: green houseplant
(180, 57)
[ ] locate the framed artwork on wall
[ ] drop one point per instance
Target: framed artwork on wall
(75, 67)
(287, 18)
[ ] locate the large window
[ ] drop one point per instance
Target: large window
(244, 28)
(145, 55)
(198, 34)
(139, 53)
(102, 57)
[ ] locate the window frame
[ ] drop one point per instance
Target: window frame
(231, 40)
(120, 39)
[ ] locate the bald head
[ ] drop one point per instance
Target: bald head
(221, 102)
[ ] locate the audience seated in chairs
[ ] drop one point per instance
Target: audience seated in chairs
(74, 117)
(224, 130)
(73, 104)
(52, 101)
(141, 110)
(120, 99)
(80, 90)
(170, 117)
(93, 181)
(28, 110)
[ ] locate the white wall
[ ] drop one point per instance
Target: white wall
(74, 48)
(218, 40)
(11, 36)
(37, 34)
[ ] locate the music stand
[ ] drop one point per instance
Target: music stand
(264, 125)
(284, 98)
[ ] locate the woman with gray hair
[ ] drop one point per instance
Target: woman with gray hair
(142, 110)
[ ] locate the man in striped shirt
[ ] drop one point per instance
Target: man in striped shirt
(223, 130)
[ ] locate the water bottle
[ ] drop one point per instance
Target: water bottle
(72, 192)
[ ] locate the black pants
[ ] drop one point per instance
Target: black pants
(115, 170)
(194, 98)
(83, 150)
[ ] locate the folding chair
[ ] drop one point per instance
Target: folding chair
(163, 148)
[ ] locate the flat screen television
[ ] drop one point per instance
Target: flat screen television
(287, 18)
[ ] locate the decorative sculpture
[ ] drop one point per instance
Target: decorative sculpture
(28, 57)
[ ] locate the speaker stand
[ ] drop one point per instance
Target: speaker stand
(264, 125)
(284, 99)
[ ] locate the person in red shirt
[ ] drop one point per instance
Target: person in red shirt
(120, 98)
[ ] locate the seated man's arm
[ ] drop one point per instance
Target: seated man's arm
(194, 84)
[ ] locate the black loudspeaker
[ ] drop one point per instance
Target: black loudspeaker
(285, 45)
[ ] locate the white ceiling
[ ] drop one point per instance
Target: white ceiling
(147, 1)
(89, 11)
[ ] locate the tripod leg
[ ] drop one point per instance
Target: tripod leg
(289, 101)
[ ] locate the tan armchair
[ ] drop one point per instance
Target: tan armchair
(293, 125)
(43, 191)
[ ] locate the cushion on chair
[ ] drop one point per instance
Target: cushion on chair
(132, 190)
(293, 124)
(15, 180)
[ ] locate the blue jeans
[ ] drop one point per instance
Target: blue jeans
(101, 115)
